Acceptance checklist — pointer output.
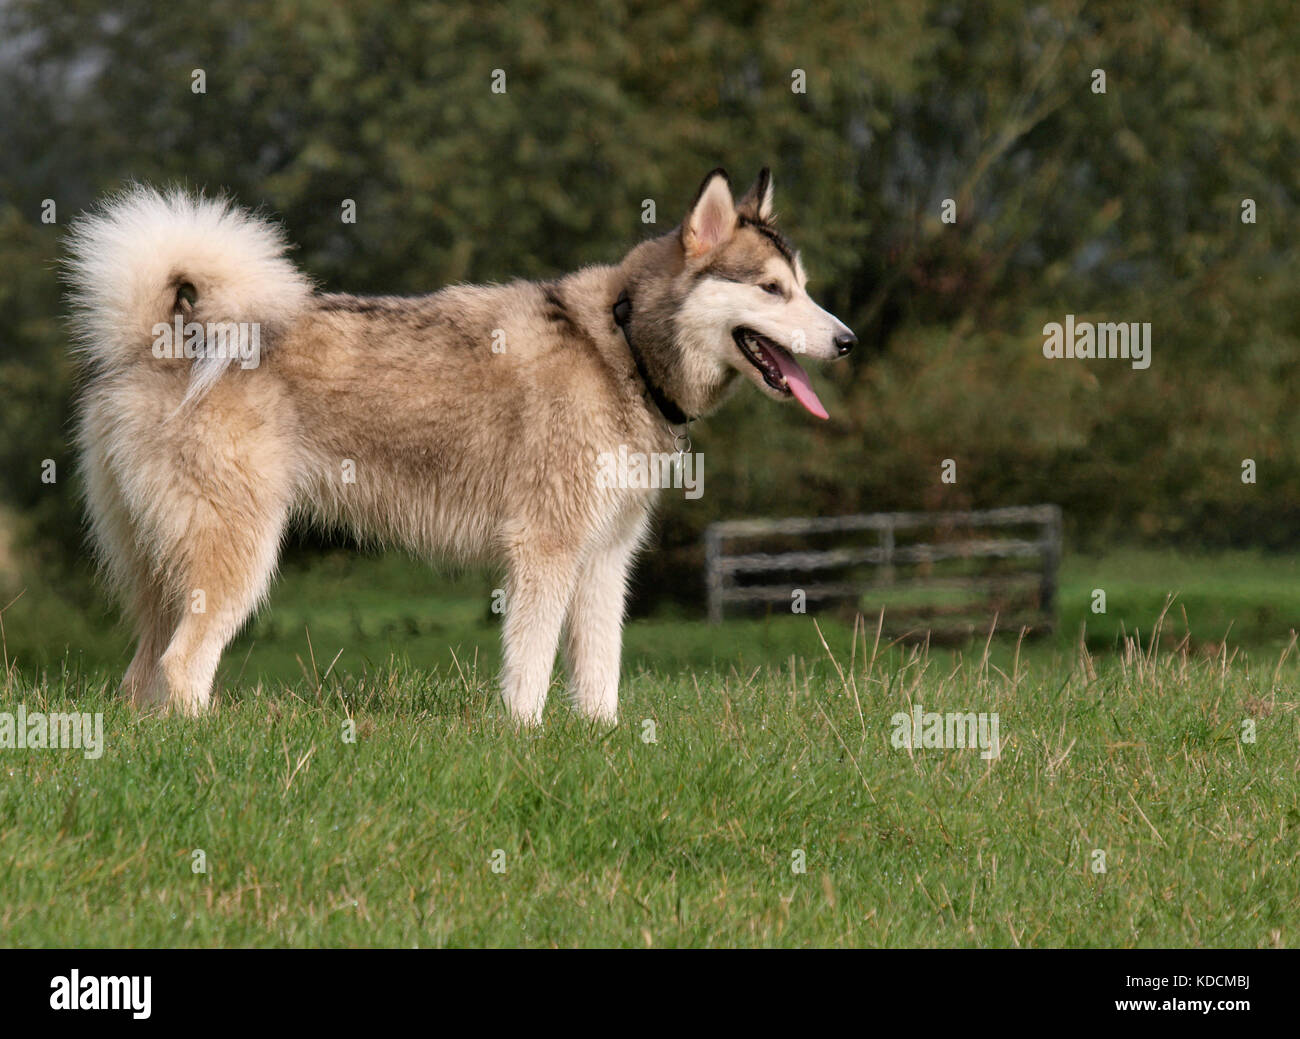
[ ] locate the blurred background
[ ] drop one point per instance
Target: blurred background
(1125, 205)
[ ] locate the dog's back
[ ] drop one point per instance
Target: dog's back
(438, 422)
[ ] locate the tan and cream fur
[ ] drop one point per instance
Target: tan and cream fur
(464, 423)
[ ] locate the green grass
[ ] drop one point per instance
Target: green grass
(610, 840)
(374, 609)
(765, 747)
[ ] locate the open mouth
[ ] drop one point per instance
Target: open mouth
(779, 369)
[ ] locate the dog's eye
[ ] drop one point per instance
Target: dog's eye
(771, 287)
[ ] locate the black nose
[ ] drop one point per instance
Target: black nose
(846, 342)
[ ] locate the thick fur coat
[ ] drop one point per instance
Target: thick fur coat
(465, 423)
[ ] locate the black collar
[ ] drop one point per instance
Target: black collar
(666, 405)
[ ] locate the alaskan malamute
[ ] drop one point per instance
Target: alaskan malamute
(223, 395)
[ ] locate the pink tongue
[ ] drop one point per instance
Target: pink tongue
(797, 379)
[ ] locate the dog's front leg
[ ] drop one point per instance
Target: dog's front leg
(537, 593)
(594, 642)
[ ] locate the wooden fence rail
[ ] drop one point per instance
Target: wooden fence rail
(940, 572)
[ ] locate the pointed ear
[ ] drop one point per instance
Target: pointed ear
(757, 203)
(712, 218)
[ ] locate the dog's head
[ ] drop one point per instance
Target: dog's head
(746, 308)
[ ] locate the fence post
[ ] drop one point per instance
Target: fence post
(887, 551)
(713, 572)
(1051, 561)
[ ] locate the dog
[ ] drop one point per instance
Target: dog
(222, 395)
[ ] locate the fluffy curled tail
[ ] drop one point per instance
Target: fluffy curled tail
(145, 265)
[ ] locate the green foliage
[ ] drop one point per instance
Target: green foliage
(1123, 205)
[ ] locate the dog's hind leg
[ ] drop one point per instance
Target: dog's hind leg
(538, 590)
(129, 574)
(214, 512)
(155, 620)
(227, 571)
(594, 628)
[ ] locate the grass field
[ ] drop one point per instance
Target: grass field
(440, 825)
